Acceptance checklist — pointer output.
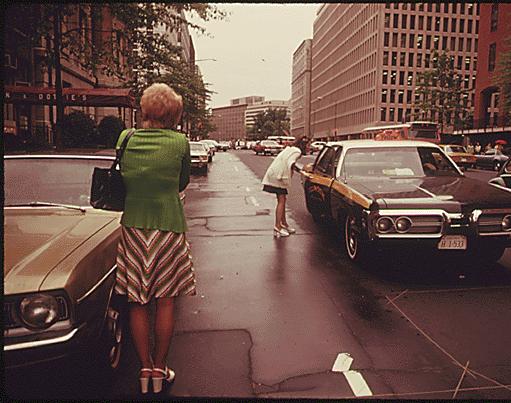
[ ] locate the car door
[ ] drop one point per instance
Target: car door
(317, 185)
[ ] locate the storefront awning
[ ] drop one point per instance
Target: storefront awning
(108, 97)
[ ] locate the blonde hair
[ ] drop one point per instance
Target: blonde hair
(161, 107)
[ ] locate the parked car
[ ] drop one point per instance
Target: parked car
(493, 159)
(60, 261)
(199, 156)
(210, 149)
(398, 194)
(267, 147)
(317, 146)
(459, 155)
(212, 143)
(224, 145)
(503, 178)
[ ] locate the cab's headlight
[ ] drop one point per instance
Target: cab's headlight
(506, 223)
(384, 224)
(403, 224)
(39, 311)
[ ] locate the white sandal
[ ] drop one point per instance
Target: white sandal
(168, 375)
(144, 382)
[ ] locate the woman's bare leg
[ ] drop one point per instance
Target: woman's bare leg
(164, 326)
(140, 330)
(280, 211)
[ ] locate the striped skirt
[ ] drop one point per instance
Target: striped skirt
(153, 264)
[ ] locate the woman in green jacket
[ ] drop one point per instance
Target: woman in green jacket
(154, 259)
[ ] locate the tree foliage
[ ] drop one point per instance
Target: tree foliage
(109, 130)
(78, 130)
(441, 93)
(502, 78)
(272, 122)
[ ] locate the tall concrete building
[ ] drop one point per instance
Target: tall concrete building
(258, 107)
(366, 57)
(230, 120)
(301, 89)
(494, 30)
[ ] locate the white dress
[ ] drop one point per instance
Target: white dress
(279, 172)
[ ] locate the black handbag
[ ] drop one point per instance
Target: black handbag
(107, 189)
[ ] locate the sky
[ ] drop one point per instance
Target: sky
(254, 49)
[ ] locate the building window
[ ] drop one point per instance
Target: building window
(386, 21)
(437, 23)
(462, 25)
(460, 62)
(396, 19)
(403, 20)
(419, 41)
(430, 7)
(453, 44)
(421, 22)
(477, 24)
(394, 58)
(402, 57)
(385, 76)
(469, 26)
(428, 41)
(393, 77)
(419, 59)
(475, 64)
(400, 95)
(392, 96)
(384, 96)
(412, 22)
(387, 5)
(385, 58)
(408, 97)
(421, 6)
(400, 114)
(475, 44)
(401, 78)
(436, 42)
(468, 61)
(437, 7)
(394, 39)
(412, 6)
(444, 43)
(409, 79)
(405, 6)
(453, 24)
(383, 114)
(460, 44)
(446, 8)
(494, 17)
(391, 114)
(446, 24)
(403, 40)
(410, 59)
(429, 23)
(386, 39)
(411, 40)
(491, 56)
(427, 58)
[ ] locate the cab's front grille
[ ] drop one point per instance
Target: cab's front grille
(491, 223)
(426, 225)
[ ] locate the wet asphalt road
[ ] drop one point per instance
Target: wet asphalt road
(272, 316)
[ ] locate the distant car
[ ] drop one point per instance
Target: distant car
(459, 155)
(492, 159)
(210, 149)
(270, 147)
(199, 155)
(212, 143)
(405, 194)
(503, 178)
(317, 146)
(224, 145)
(59, 264)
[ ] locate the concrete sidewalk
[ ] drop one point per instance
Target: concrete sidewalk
(261, 324)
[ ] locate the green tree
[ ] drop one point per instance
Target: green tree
(272, 122)
(441, 94)
(502, 78)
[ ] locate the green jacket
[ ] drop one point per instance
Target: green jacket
(155, 167)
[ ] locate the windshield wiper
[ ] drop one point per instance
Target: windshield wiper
(40, 203)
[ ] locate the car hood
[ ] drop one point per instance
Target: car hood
(37, 239)
(452, 194)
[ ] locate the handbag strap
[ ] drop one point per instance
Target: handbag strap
(120, 151)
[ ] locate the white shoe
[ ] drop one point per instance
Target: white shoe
(168, 375)
(279, 233)
(289, 229)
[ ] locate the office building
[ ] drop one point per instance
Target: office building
(300, 89)
(366, 58)
(258, 107)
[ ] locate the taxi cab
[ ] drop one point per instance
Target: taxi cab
(459, 155)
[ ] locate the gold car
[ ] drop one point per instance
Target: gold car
(459, 155)
(59, 263)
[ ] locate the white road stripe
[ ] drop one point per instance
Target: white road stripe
(355, 379)
(253, 200)
(357, 383)
(248, 189)
(236, 168)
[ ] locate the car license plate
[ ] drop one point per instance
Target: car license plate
(453, 242)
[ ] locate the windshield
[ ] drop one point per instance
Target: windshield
(197, 147)
(54, 180)
(456, 149)
(397, 162)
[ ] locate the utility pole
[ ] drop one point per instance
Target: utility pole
(58, 77)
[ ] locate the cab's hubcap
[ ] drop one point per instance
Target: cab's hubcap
(115, 332)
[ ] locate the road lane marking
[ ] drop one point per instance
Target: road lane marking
(395, 298)
(437, 392)
(236, 168)
(253, 200)
(355, 379)
(357, 383)
(248, 189)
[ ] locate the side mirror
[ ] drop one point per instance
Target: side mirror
(497, 181)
